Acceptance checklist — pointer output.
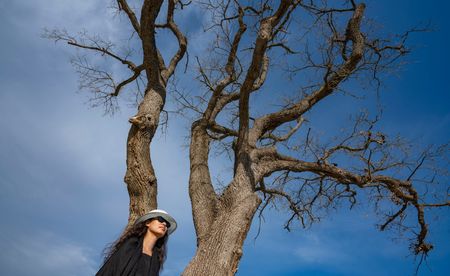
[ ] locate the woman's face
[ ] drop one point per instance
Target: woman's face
(159, 229)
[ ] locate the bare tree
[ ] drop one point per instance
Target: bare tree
(275, 155)
(151, 75)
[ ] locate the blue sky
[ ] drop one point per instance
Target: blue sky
(62, 163)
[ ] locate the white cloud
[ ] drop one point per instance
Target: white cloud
(44, 253)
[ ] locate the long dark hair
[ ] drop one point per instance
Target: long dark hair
(138, 231)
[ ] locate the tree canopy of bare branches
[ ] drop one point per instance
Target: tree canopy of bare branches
(276, 158)
(326, 49)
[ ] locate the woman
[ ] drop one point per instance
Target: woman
(141, 250)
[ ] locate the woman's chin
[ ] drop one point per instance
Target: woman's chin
(159, 233)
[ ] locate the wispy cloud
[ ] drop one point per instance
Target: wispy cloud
(62, 165)
(44, 253)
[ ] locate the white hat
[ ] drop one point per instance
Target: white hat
(159, 213)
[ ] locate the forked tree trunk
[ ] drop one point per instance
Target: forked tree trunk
(221, 222)
(220, 252)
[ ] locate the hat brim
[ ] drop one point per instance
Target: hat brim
(156, 213)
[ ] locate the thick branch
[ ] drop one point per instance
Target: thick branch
(229, 69)
(287, 135)
(182, 41)
(150, 11)
(226, 99)
(123, 5)
(273, 120)
(265, 34)
(201, 190)
(225, 132)
(137, 73)
(269, 161)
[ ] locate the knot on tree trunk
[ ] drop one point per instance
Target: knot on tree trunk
(142, 121)
(238, 252)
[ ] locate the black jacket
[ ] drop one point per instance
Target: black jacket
(125, 260)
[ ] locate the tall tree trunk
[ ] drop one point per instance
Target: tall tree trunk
(201, 191)
(220, 252)
(222, 223)
(140, 176)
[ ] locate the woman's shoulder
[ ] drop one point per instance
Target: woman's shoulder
(132, 241)
(129, 245)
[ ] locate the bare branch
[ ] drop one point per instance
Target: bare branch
(150, 10)
(229, 69)
(137, 73)
(225, 132)
(394, 216)
(123, 5)
(271, 121)
(182, 41)
(403, 191)
(287, 135)
(292, 204)
(87, 42)
(437, 204)
(97, 81)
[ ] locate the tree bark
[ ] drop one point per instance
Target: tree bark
(223, 224)
(220, 252)
(201, 191)
(140, 176)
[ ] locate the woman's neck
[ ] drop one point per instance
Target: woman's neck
(149, 242)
